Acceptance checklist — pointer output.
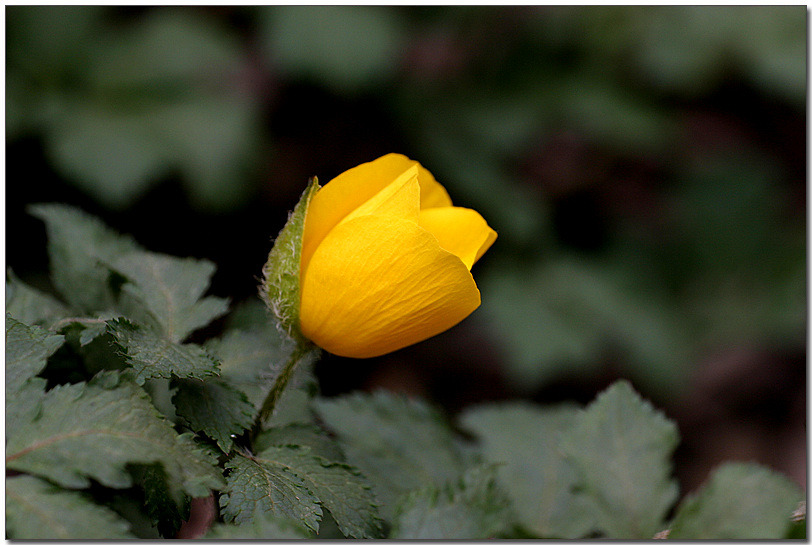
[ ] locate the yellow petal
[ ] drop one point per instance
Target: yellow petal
(432, 193)
(362, 193)
(353, 188)
(461, 231)
(401, 198)
(377, 284)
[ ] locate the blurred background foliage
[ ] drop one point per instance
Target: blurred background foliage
(645, 168)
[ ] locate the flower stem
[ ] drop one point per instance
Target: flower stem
(301, 352)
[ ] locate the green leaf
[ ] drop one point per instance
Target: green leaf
(399, 444)
(739, 501)
(472, 508)
(556, 319)
(280, 283)
(158, 95)
(36, 509)
(166, 506)
(250, 360)
(169, 289)
(152, 356)
(93, 327)
(24, 405)
(300, 434)
(214, 408)
(254, 489)
(32, 306)
(338, 487)
(27, 349)
(620, 448)
(218, 148)
(258, 362)
(293, 407)
(263, 526)
(522, 440)
(83, 136)
(78, 247)
(336, 52)
(93, 430)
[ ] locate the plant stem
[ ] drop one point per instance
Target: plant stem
(65, 321)
(299, 354)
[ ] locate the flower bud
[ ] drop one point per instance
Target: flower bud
(384, 260)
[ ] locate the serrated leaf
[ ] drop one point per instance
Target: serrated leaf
(87, 328)
(253, 489)
(93, 430)
(398, 443)
(338, 486)
(24, 405)
(214, 408)
(168, 292)
(78, 245)
(472, 508)
(263, 526)
(250, 360)
(620, 448)
(30, 305)
(739, 501)
(522, 439)
(280, 274)
(95, 327)
(36, 509)
(301, 434)
(27, 349)
(167, 507)
(152, 356)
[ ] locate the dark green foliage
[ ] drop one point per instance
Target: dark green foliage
(399, 444)
(150, 98)
(522, 441)
(31, 306)
(340, 488)
(79, 247)
(166, 292)
(682, 128)
(471, 508)
(620, 449)
(27, 349)
(254, 488)
(739, 501)
(36, 509)
(264, 526)
(134, 423)
(302, 434)
(214, 408)
(166, 508)
(152, 356)
(94, 430)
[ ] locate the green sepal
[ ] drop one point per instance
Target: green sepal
(280, 283)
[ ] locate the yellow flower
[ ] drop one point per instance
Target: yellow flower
(386, 259)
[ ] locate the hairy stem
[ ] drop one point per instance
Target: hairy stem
(301, 352)
(65, 321)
